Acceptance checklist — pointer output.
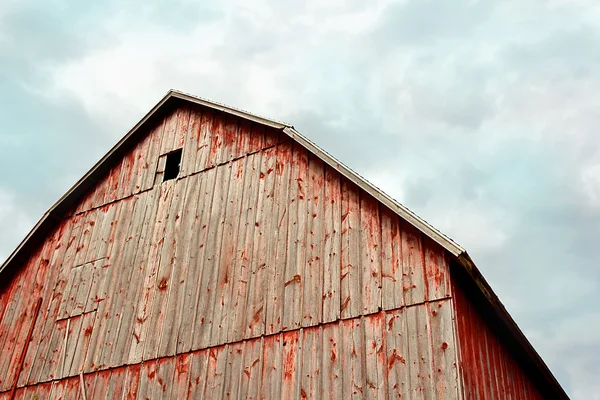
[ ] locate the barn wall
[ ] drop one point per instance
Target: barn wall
(352, 358)
(489, 369)
(256, 237)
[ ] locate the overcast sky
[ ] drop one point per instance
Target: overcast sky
(482, 117)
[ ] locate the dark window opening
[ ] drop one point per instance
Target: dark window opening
(172, 165)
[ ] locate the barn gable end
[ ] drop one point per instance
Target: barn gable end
(262, 269)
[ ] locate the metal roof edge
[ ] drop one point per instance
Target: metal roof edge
(377, 193)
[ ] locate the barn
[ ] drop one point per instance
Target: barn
(213, 253)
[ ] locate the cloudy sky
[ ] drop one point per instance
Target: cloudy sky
(482, 117)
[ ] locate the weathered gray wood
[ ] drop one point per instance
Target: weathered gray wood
(215, 373)
(311, 382)
(263, 245)
(370, 245)
(138, 264)
(351, 277)
(144, 305)
(181, 377)
(444, 352)
(274, 297)
(313, 294)
(226, 274)
(419, 351)
(162, 383)
(245, 244)
(252, 365)
(292, 363)
(330, 355)
(192, 141)
(81, 341)
(332, 220)
(213, 255)
(412, 265)
(204, 143)
(133, 218)
(169, 133)
(375, 357)
(200, 323)
(147, 376)
(234, 370)
(272, 373)
(166, 278)
(391, 268)
(173, 314)
(152, 154)
(396, 338)
(293, 279)
(198, 370)
(195, 259)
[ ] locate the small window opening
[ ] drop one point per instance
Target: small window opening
(172, 165)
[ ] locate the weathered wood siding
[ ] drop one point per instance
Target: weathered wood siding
(488, 368)
(391, 355)
(258, 251)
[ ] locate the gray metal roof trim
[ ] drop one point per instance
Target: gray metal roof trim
(440, 238)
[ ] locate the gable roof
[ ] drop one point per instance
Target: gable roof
(174, 97)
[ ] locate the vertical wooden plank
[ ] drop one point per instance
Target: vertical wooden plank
(216, 139)
(352, 359)
(251, 377)
(419, 351)
(149, 168)
(275, 288)
(437, 272)
(123, 189)
(70, 343)
(244, 246)
(229, 132)
(272, 373)
(81, 341)
(166, 278)
(192, 140)
(263, 246)
(51, 369)
(198, 209)
(215, 372)
(370, 245)
(169, 132)
(391, 267)
(292, 363)
(116, 384)
(200, 326)
(183, 122)
(351, 292)
(311, 383)
(101, 385)
(312, 296)
(209, 291)
(145, 299)
(445, 374)
(180, 258)
(257, 138)
(113, 281)
(124, 290)
(375, 357)
(164, 378)
(132, 382)
(397, 367)
(205, 138)
(412, 265)
(181, 377)
(52, 295)
(243, 137)
(332, 245)
(227, 274)
(293, 279)
(198, 378)
(146, 380)
(139, 263)
(233, 371)
(331, 357)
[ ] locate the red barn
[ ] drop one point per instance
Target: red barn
(213, 253)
